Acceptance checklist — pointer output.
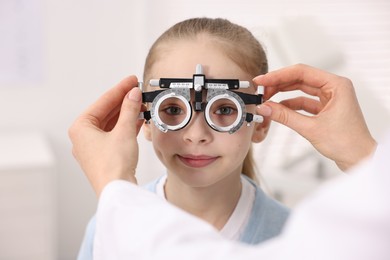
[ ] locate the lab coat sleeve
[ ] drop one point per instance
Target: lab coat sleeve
(348, 218)
(133, 223)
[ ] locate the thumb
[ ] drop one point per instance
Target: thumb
(284, 115)
(128, 120)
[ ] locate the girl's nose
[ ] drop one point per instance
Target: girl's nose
(197, 131)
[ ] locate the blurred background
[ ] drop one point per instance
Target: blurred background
(57, 57)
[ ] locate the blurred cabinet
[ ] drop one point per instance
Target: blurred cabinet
(27, 197)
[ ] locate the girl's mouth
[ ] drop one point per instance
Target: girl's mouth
(197, 161)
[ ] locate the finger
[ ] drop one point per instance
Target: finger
(292, 75)
(271, 91)
(309, 105)
(109, 101)
(284, 115)
(128, 121)
(112, 120)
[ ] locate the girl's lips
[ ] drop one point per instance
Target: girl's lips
(197, 161)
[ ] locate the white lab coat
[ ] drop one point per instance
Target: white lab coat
(347, 219)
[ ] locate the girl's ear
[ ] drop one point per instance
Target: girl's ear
(146, 128)
(261, 130)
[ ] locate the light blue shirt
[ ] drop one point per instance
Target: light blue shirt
(266, 220)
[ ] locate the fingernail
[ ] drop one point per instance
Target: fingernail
(135, 94)
(264, 110)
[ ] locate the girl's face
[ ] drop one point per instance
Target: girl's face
(197, 155)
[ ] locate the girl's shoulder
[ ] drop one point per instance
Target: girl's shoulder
(153, 185)
(267, 218)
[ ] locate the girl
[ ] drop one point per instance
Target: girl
(210, 174)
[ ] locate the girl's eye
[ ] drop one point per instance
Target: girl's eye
(224, 111)
(173, 110)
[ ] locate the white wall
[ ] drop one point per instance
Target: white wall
(90, 45)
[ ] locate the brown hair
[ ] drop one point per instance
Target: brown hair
(235, 41)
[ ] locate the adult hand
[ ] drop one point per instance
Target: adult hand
(337, 128)
(104, 137)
